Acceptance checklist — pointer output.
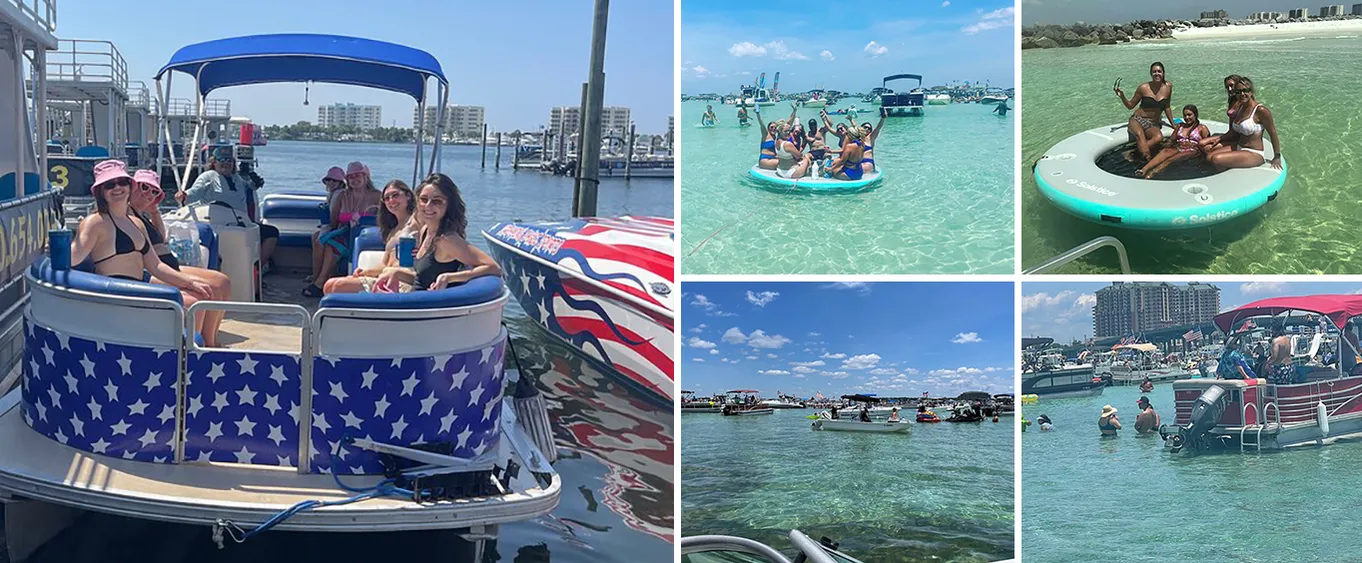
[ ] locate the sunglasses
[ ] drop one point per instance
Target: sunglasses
(394, 195)
(432, 201)
(147, 188)
(120, 183)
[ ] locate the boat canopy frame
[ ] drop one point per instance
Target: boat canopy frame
(306, 58)
(1341, 310)
(894, 77)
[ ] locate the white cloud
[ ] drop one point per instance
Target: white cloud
(946, 3)
(815, 334)
(1086, 300)
(711, 307)
(713, 351)
(724, 360)
(753, 358)
(860, 287)
(996, 19)
(1262, 287)
(745, 73)
(759, 339)
(956, 372)
(836, 374)
(883, 371)
(967, 338)
(827, 55)
(836, 356)
(774, 372)
(1040, 300)
(772, 356)
(762, 298)
(734, 336)
(799, 376)
(698, 360)
(813, 363)
(747, 49)
(862, 361)
(875, 49)
(697, 342)
(803, 369)
(700, 70)
(781, 52)
(699, 328)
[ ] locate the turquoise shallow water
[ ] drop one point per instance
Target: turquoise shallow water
(943, 493)
(945, 205)
(1309, 83)
(1090, 499)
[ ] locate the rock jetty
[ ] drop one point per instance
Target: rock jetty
(1080, 34)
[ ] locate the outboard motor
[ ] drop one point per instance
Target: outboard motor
(1206, 413)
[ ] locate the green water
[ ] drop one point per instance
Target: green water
(945, 204)
(942, 493)
(1311, 85)
(1086, 498)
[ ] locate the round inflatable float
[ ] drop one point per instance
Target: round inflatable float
(1091, 176)
(813, 183)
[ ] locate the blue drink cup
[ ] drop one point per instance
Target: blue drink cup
(59, 248)
(406, 251)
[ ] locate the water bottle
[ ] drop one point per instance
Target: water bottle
(59, 248)
(406, 251)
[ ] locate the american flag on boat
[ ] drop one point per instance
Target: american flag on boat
(602, 284)
(1192, 335)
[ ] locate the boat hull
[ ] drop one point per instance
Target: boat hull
(1248, 423)
(858, 426)
(749, 412)
(602, 286)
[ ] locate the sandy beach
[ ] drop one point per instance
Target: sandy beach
(1298, 29)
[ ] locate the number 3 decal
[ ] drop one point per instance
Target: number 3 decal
(61, 172)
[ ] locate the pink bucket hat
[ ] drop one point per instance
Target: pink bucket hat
(356, 168)
(107, 170)
(147, 177)
(335, 173)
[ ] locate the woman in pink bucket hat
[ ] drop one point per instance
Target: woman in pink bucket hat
(359, 198)
(121, 244)
(146, 195)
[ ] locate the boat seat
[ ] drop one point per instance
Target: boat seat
(8, 189)
(82, 278)
(92, 152)
(478, 290)
(209, 240)
(362, 249)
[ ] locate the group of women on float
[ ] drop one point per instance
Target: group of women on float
(126, 238)
(1240, 147)
(795, 152)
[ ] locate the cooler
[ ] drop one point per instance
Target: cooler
(239, 248)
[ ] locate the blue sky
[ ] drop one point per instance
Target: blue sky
(518, 59)
(1063, 311)
(849, 47)
(894, 339)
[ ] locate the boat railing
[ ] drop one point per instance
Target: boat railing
(139, 95)
(188, 109)
(88, 60)
(1084, 250)
(42, 11)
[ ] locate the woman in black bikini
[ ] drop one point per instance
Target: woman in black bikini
(146, 194)
(443, 255)
(121, 240)
(1153, 98)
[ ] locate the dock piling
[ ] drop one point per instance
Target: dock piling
(629, 156)
(589, 156)
(484, 145)
(498, 161)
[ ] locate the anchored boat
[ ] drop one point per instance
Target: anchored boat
(1254, 406)
(602, 285)
(1051, 375)
(364, 412)
(743, 402)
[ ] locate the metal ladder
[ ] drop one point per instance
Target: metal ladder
(1081, 251)
(1257, 443)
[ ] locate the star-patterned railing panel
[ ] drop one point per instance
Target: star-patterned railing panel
(243, 407)
(111, 399)
(405, 401)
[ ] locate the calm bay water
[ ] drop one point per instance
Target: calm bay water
(1087, 498)
(615, 445)
(942, 493)
(945, 204)
(1309, 83)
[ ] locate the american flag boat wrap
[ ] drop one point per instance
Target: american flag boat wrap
(602, 285)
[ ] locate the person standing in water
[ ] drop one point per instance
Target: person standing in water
(709, 118)
(742, 115)
(1107, 422)
(1147, 421)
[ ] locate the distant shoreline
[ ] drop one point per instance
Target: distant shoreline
(1081, 34)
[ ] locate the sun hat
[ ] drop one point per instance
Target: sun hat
(222, 154)
(107, 170)
(147, 177)
(335, 173)
(356, 167)
(1108, 410)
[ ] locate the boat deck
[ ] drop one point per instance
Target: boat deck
(200, 493)
(265, 331)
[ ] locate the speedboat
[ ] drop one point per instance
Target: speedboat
(602, 285)
(938, 99)
(783, 402)
(359, 413)
(1312, 400)
(845, 425)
